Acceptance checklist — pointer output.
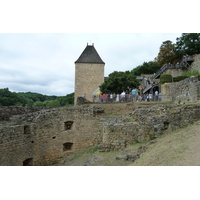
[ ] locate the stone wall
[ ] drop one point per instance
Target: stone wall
(88, 77)
(42, 137)
(147, 124)
(6, 111)
(196, 64)
(166, 93)
(175, 72)
(46, 136)
(119, 132)
(185, 91)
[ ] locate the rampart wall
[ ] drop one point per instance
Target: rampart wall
(185, 91)
(146, 124)
(195, 66)
(42, 137)
(7, 111)
(46, 136)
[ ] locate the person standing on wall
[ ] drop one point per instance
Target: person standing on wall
(156, 95)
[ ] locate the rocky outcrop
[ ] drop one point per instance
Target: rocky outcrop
(131, 155)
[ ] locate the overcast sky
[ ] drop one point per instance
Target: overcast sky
(44, 62)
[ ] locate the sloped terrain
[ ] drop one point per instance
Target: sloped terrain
(178, 148)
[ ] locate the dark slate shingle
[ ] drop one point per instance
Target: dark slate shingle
(90, 55)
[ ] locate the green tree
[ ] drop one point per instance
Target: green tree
(52, 103)
(29, 102)
(66, 100)
(167, 53)
(38, 103)
(118, 82)
(146, 68)
(8, 98)
(188, 43)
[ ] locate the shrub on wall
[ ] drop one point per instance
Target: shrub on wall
(191, 73)
(179, 78)
(165, 78)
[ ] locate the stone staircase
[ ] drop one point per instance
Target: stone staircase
(184, 64)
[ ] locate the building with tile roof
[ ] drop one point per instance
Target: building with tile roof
(89, 73)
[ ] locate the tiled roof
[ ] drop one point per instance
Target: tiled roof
(90, 55)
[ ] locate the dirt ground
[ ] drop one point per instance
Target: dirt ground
(179, 148)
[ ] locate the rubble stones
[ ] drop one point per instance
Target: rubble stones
(131, 155)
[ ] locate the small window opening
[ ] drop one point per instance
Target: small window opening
(28, 162)
(32, 141)
(166, 125)
(68, 125)
(54, 137)
(67, 146)
(27, 129)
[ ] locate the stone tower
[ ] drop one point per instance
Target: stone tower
(89, 73)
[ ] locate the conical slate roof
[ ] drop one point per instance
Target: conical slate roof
(90, 55)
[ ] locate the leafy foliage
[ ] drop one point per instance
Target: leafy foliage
(8, 98)
(191, 73)
(165, 78)
(179, 78)
(146, 68)
(188, 43)
(167, 53)
(118, 82)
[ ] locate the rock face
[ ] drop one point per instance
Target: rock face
(42, 137)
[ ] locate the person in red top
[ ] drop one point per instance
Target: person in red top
(104, 97)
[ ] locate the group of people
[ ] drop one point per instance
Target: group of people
(129, 96)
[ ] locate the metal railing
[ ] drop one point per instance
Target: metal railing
(183, 64)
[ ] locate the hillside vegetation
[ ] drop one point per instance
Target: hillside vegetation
(8, 98)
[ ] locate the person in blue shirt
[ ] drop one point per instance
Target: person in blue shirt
(134, 94)
(160, 97)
